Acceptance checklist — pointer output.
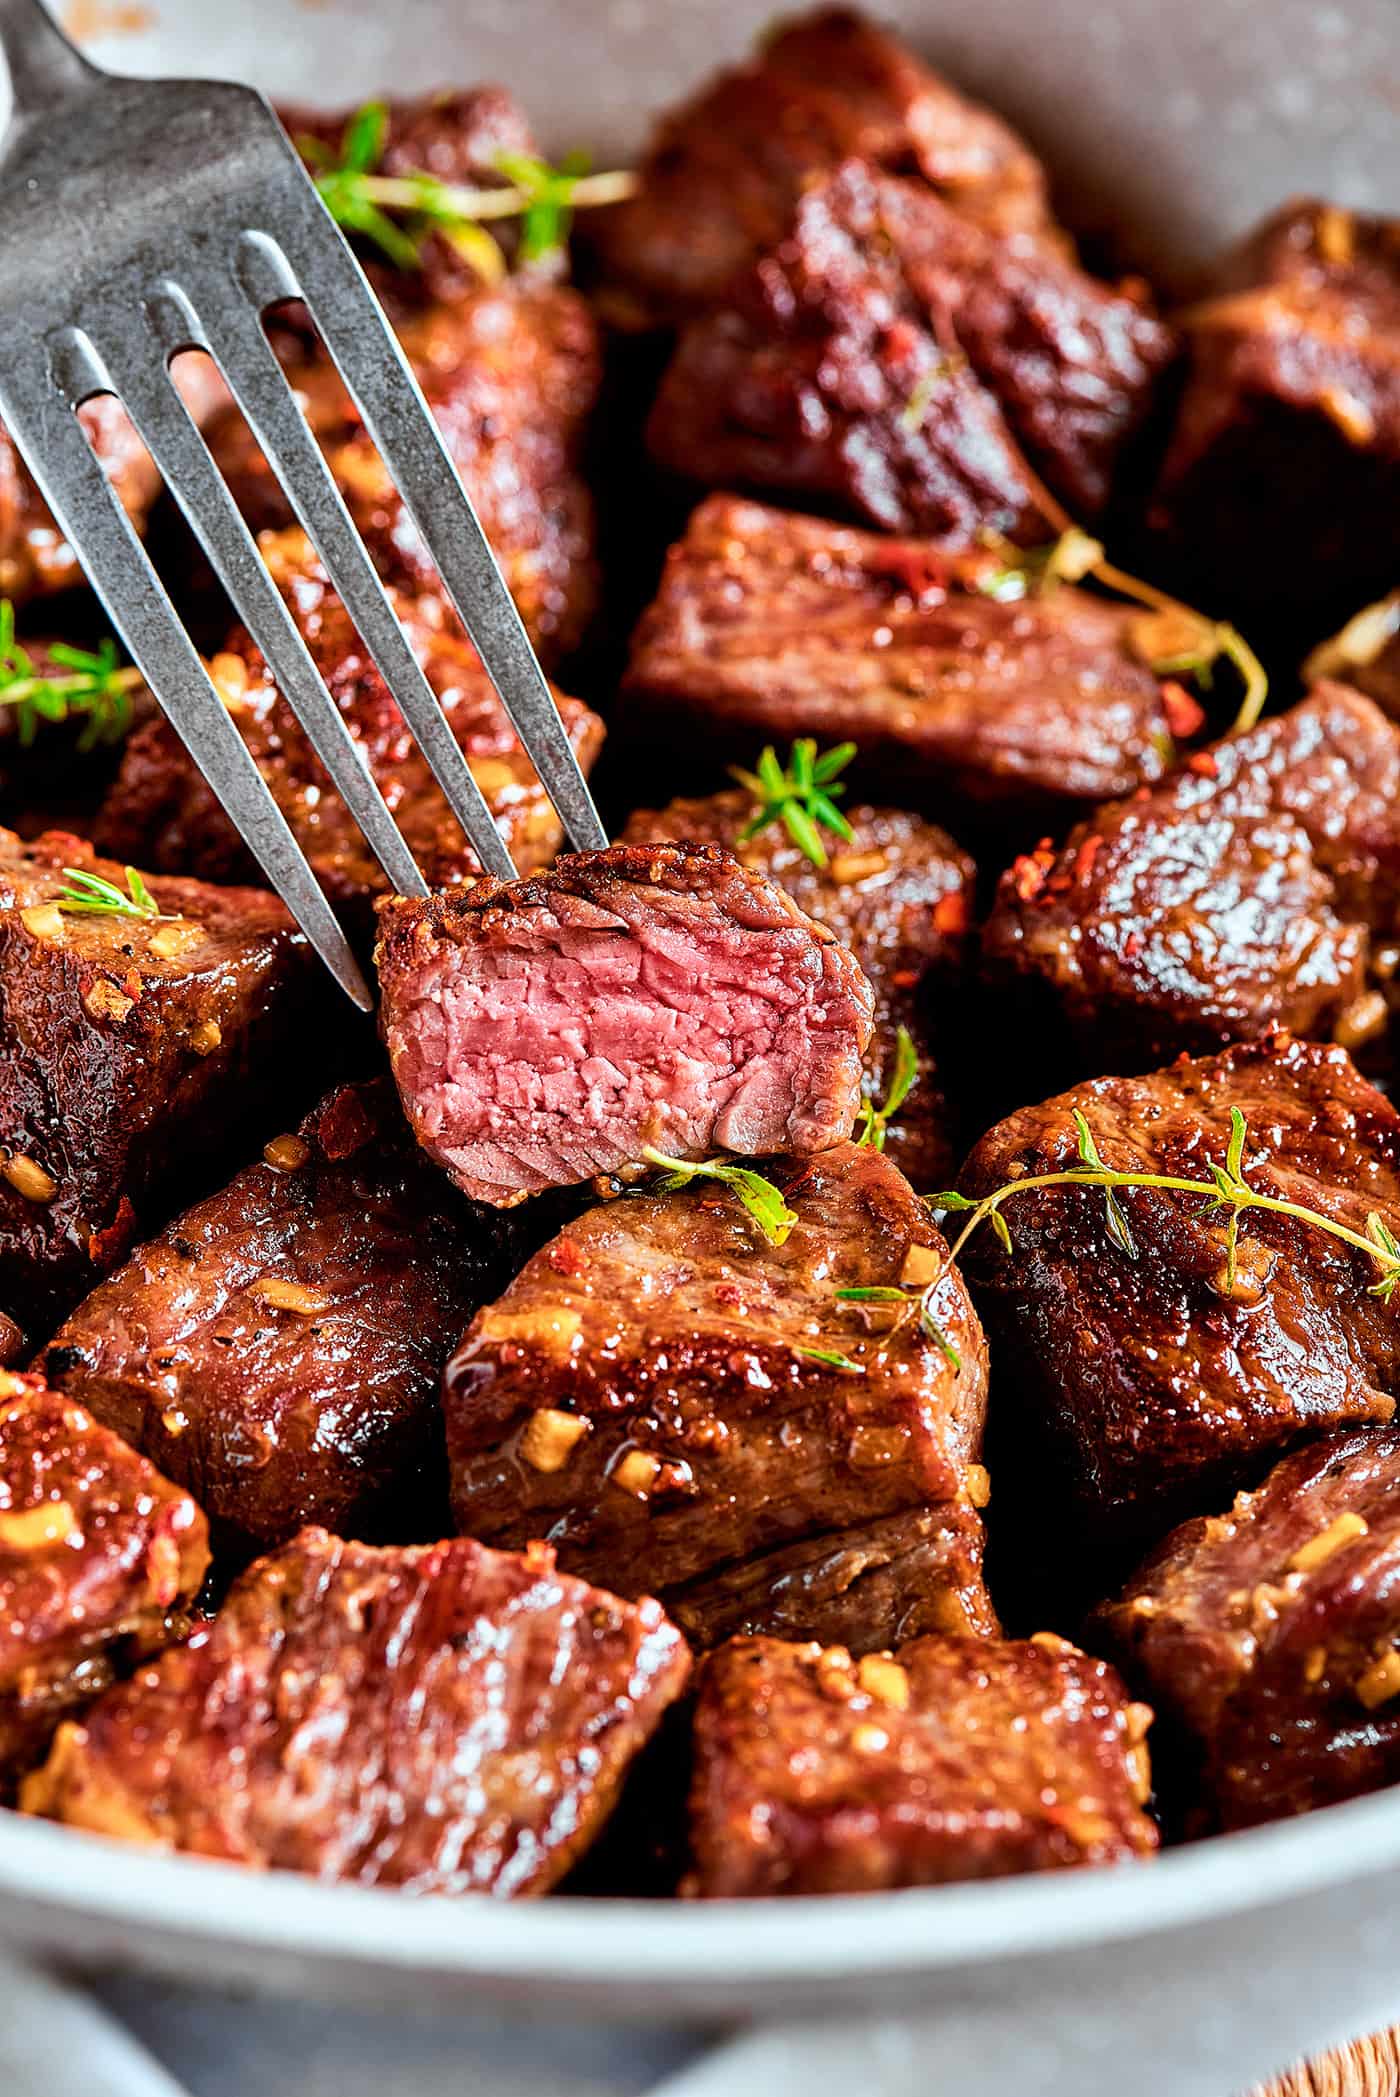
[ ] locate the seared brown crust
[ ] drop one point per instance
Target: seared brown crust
(952, 1759)
(277, 1348)
(161, 806)
(137, 1052)
(768, 626)
(881, 356)
(867, 1589)
(725, 169)
(1269, 1634)
(1159, 1389)
(1240, 895)
(442, 1718)
(899, 894)
(98, 1556)
(1286, 453)
(511, 374)
(690, 1350)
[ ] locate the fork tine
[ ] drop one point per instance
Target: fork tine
(370, 360)
(91, 518)
(229, 327)
(142, 382)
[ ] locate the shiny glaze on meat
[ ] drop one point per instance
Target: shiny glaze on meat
(440, 1718)
(951, 1759)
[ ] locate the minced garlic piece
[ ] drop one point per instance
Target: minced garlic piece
(103, 1000)
(1380, 1682)
(848, 867)
(870, 1740)
(29, 1179)
(30, 1528)
(1318, 1549)
(206, 1037)
(286, 1153)
(550, 1438)
(977, 1484)
(290, 1296)
(921, 1264)
(636, 1472)
(45, 921)
(176, 938)
(884, 1679)
(553, 1332)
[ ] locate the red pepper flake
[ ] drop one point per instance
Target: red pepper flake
(1084, 858)
(1144, 793)
(565, 1257)
(1203, 761)
(1132, 945)
(905, 978)
(950, 913)
(1185, 715)
(108, 1245)
(1030, 870)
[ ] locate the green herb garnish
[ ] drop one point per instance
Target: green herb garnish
(831, 1358)
(397, 212)
(759, 1196)
(90, 893)
(801, 798)
(914, 1302)
(97, 687)
(874, 1121)
(1226, 1190)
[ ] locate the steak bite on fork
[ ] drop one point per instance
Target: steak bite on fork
(657, 997)
(680, 1403)
(440, 1718)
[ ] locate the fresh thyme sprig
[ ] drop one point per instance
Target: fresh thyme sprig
(1226, 1190)
(874, 1121)
(97, 687)
(759, 1196)
(800, 797)
(397, 212)
(98, 897)
(1366, 635)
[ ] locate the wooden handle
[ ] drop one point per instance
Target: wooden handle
(1366, 2068)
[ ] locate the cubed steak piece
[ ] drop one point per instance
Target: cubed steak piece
(678, 1403)
(899, 894)
(1285, 457)
(889, 359)
(868, 1588)
(769, 626)
(144, 1041)
(99, 1557)
(162, 810)
(723, 171)
(511, 374)
(1159, 1379)
(441, 1718)
(548, 1030)
(1241, 894)
(952, 1758)
(277, 1349)
(1270, 1636)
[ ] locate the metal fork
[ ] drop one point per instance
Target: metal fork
(139, 218)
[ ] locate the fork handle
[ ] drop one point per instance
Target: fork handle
(41, 67)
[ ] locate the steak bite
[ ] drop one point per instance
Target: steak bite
(724, 171)
(440, 1718)
(162, 808)
(548, 1030)
(1156, 1413)
(1269, 1635)
(277, 1348)
(511, 374)
(99, 1555)
(1286, 451)
(139, 1048)
(769, 626)
(899, 894)
(1240, 895)
(953, 1758)
(678, 1403)
(890, 359)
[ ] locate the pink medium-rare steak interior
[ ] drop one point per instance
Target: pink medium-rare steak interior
(546, 1030)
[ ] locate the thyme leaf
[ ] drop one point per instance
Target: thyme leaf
(763, 1201)
(96, 687)
(802, 796)
(874, 1121)
(90, 893)
(831, 1358)
(397, 212)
